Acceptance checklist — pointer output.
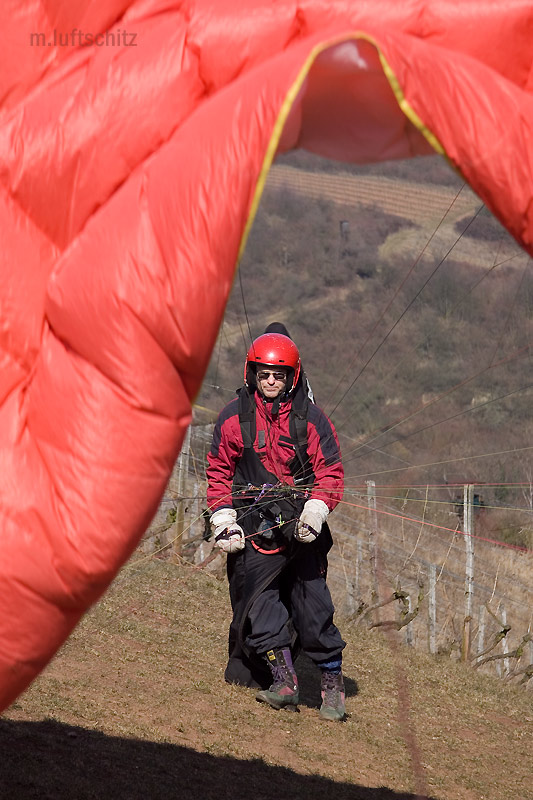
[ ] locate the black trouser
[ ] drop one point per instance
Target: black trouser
(268, 590)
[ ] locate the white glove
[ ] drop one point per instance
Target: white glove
(313, 516)
(228, 535)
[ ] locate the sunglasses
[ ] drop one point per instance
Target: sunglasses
(264, 375)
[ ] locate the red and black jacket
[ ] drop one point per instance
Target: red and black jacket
(237, 474)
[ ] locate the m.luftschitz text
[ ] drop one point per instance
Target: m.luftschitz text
(79, 38)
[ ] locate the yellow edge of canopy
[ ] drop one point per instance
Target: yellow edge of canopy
(409, 112)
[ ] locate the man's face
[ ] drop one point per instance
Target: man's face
(271, 381)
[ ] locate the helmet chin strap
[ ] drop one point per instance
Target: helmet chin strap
(276, 401)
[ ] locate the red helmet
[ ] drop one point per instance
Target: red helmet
(273, 350)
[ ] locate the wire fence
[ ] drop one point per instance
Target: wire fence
(449, 592)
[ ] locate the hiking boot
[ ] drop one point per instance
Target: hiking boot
(332, 691)
(283, 693)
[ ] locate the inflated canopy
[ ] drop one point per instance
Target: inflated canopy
(135, 139)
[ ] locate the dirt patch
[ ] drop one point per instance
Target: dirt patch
(135, 705)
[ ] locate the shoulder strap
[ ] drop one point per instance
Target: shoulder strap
(247, 417)
(300, 467)
(298, 418)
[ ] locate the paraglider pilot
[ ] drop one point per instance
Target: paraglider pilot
(274, 474)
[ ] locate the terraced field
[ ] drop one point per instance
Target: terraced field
(435, 210)
(413, 201)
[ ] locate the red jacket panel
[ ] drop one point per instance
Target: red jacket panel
(227, 448)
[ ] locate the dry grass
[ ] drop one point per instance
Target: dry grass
(135, 706)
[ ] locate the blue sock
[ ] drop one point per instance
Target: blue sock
(334, 666)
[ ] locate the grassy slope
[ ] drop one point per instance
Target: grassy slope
(135, 706)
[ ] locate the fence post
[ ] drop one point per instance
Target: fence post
(481, 631)
(349, 582)
(183, 471)
(409, 640)
(432, 608)
(195, 513)
(468, 530)
(372, 533)
(503, 617)
(358, 563)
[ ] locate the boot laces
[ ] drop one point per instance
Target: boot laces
(282, 676)
(332, 687)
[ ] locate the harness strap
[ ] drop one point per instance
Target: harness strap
(300, 467)
(246, 418)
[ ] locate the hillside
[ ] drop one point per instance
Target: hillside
(134, 706)
(413, 311)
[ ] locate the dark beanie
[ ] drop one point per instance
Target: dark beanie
(278, 327)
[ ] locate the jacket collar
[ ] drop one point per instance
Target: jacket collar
(266, 407)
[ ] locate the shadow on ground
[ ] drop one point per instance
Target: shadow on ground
(52, 761)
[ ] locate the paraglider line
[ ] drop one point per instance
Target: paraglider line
(477, 407)
(440, 527)
(445, 461)
(387, 307)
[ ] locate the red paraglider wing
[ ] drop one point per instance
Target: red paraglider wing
(131, 167)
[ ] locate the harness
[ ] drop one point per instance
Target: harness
(268, 512)
(300, 466)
